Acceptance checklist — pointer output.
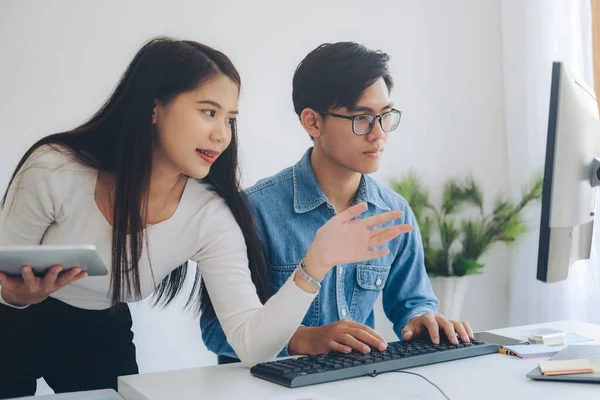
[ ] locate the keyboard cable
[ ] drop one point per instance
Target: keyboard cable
(414, 373)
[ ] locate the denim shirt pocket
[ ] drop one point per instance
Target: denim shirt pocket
(370, 279)
(279, 274)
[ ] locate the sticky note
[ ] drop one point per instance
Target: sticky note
(562, 367)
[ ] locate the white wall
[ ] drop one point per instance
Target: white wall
(61, 59)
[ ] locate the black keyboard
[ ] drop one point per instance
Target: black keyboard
(310, 370)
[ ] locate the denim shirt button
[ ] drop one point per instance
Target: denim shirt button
(341, 270)
(344, 313)
(378, 282)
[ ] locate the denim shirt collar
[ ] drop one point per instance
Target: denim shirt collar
(308, 194)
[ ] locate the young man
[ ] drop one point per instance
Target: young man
(341, 93)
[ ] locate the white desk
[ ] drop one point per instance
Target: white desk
(494, 376)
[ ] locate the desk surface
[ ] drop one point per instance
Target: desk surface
(494, 376)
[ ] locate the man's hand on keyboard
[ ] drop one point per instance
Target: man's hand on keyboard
(433, 324)
(341, 336)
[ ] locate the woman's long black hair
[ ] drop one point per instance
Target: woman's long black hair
(119, 140)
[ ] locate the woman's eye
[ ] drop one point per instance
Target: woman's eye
(210, 113)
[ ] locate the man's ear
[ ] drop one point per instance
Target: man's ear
(312, 122)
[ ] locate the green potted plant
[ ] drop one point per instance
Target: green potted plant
(456, 234)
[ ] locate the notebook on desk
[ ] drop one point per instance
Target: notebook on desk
(532, 350)
(575, 352)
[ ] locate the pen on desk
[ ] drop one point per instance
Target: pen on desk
(507, 352)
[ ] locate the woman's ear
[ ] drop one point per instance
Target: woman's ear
(154, 113)
(312, 122)
(158, 105)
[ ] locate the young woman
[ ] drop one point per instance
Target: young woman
(151, 180)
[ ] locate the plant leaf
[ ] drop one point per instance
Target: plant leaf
(459, 194)
(434, 264)
(534, 190)
(513, 229)
(414, 193)
(503, 210)
(426, 228)
(475, 238)
(465, 266)
(448, 233)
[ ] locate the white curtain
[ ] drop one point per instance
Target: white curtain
(535, 33)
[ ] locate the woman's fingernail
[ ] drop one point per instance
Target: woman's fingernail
(366, 349)
(382, 346)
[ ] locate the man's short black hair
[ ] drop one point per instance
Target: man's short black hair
(336, 74)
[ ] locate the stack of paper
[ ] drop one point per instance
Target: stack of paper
(549, 337)
(532, 350)
(563, 367)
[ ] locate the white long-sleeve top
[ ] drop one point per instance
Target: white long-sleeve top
(52, 202)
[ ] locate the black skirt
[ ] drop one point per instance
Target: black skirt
(73, 349)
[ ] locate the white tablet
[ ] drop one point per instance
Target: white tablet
(43, 257)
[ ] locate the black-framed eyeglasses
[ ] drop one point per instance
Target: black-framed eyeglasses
(363, 124)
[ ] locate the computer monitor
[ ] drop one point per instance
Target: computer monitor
(571, 176)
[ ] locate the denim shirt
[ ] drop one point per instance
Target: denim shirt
(289, 208)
